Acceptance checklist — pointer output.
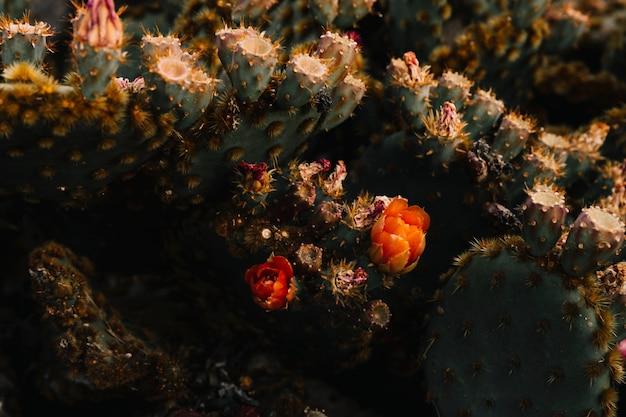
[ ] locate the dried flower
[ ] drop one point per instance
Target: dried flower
(348, 278)
(325, 217)
(354, 35)
(323, 101)
(333, 185)
(309, 169)
(399, 237)
(299, 197)
(364, 217)
(272, 283)
(138, 84)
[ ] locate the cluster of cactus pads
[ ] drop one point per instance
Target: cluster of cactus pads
(532, 319)
(273, 234)
(190, 124)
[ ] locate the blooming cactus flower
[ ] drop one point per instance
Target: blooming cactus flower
(398, 237)
(272, 283)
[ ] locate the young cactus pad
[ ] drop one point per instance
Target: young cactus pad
(510, 337)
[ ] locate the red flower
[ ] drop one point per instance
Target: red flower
(272, 283)
(399, 237)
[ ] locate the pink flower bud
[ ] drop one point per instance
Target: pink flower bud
(98, 25)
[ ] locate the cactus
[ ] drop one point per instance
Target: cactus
(51, 121)
(100, 351)
(244, 208)
(44, 129)
(258, 122)
(304, 247)
(547, 335)
(303, 270)
(543, 291)
(172, 95)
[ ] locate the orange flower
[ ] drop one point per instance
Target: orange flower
(399, 237)
(272, 283)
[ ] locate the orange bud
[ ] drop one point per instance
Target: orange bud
(399, 237)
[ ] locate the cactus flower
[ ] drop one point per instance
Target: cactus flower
(398, 237)
(99, 25)
(272, 283)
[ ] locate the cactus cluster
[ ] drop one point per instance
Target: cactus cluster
(508, 300)
(173, 114)
(262, 114)
(312, 208)
(302, 246)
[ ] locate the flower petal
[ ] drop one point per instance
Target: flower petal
(396, 206)
(376, 253)
(378, 227)
(398, 262)
(396, 226)
(416, 215)
(394, 244)
(417, 243)
(281, 263)
(409, 267)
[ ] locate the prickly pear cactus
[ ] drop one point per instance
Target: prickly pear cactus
(513, 334)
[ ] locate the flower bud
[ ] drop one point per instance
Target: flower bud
(348, 278)
(98, 25)
(340, 52)
(97, 46)
(544, 214)
(399, 237)
(24, 42)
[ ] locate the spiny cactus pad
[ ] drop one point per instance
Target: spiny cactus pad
(511, 335)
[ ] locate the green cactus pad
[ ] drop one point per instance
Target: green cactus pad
(509, 336)
(65, 148)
